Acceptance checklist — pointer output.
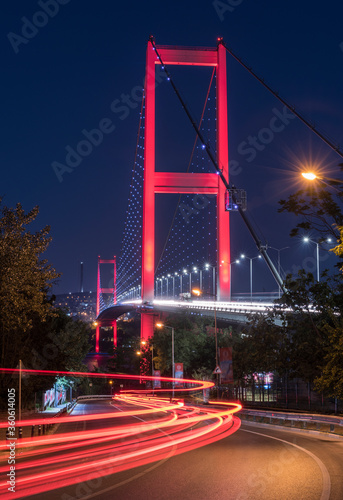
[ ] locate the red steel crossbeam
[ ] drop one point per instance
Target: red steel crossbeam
(169, 182)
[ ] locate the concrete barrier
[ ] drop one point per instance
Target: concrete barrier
(323, 423)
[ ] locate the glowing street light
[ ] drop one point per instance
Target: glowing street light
(251, 259)
(195, 270)
(161, 325)
(306, 239)
(327, 181)
(310, 176)
(207, 268)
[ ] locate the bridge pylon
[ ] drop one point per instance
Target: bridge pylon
(99, 291)
(170, 182)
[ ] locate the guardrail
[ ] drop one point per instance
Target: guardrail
(321, 423)
(103, 396)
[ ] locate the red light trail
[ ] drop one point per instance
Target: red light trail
(165, 429)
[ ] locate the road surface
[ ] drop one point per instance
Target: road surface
(254, 462)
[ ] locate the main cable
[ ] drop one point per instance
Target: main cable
(262, 248)
(308, 124)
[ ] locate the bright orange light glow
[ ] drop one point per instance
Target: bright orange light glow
(159, 325)
(196, 292)
(310, 176)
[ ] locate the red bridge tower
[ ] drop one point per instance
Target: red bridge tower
(169, 182)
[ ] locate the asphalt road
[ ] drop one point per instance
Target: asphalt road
(256, 462)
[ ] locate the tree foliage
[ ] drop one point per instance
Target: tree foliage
(302, 337)
(194, 344)
(317, 339)
(31, 328)
(24, 279)
(124, 355)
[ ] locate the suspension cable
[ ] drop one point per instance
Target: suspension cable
(262, 248)
(308, 124)
(188, 167)
(133, 171)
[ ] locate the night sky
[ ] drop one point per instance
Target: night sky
(61, 78)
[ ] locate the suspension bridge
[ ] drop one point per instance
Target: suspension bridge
(197, 249)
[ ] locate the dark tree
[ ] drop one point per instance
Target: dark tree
(31, 328)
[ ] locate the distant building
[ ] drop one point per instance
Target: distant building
(78, 305)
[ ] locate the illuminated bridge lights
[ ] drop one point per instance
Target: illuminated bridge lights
(243, 307)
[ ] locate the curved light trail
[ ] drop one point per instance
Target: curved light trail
(115, 441)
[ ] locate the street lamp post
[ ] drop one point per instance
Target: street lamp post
(161, 325)
(251, 259)
(185, 272)
(168, 276)
(207, 267)
(195, 270)
(279, 262)
(237, 261)
(307, 239)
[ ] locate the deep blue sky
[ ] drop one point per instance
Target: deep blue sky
(64, 79)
